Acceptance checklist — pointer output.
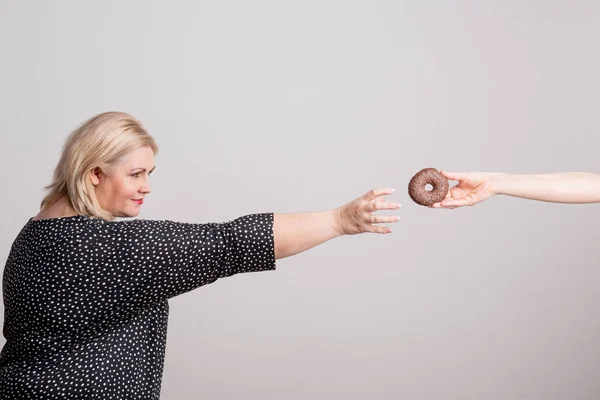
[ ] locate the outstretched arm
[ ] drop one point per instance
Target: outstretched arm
(564, 187)
(163, 259)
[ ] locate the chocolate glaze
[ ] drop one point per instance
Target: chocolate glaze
(431, 176)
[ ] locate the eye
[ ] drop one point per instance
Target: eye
(136, 175)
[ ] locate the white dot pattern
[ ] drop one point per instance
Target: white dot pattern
(86, 299)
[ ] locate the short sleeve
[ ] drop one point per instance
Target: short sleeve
(162, 259)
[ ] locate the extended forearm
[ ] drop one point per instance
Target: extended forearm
(565, 187)
(295, 233)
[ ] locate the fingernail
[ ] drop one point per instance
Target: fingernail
(393, 190)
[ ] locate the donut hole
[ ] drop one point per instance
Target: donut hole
(429, 187)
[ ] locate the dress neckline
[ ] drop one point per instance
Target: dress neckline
(31, 220)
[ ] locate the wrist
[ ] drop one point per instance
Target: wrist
(497, 183)
(336, 222)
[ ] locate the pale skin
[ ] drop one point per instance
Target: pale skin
(563, 187)
(120, 191)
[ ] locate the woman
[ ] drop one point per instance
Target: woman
(86, 296)
(565, 187)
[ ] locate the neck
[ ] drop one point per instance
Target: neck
(60, 208)
(64, 207)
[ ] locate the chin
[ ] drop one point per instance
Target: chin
(127, 214)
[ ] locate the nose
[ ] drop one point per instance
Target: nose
(145, 188)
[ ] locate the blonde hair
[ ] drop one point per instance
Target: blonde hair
(98, 143)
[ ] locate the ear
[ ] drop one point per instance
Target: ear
(95, 176)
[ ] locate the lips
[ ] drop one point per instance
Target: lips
(139, 201)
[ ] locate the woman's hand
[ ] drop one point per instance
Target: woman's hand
(357, 216)
(472, 188)
(295, 233)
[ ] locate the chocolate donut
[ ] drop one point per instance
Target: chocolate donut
(428, 176)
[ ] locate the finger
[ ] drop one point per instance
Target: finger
(448, 196)
(373, 194)
(455, 176)
(380, 229)
(383, 205)
(440, 205)
(384, 219)
(379, 199)
(455, 203)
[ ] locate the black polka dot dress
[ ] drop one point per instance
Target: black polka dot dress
(86, 300)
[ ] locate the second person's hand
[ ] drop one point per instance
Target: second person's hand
(472, 188)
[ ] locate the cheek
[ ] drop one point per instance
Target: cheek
(129, 189)
(124, 189)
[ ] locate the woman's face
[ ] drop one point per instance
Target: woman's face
(121, 191)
